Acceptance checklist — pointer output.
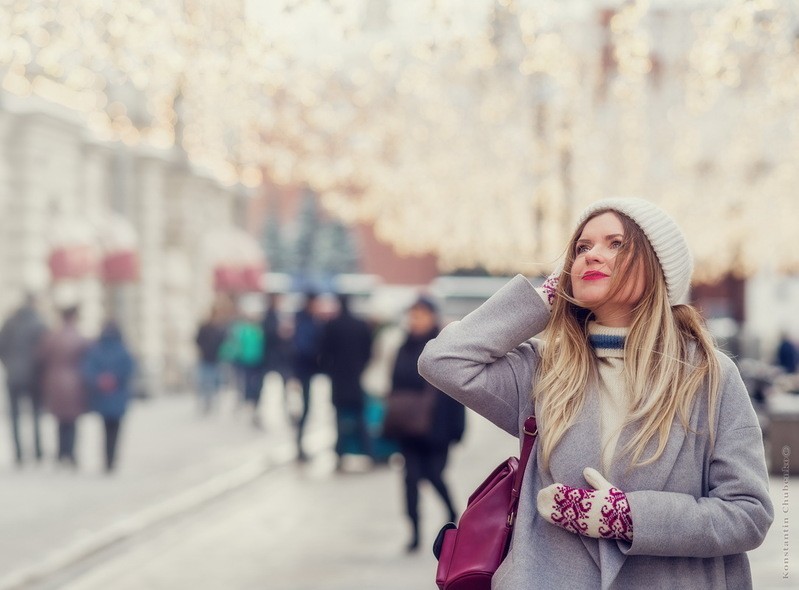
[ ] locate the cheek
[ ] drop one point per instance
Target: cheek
(634, 290)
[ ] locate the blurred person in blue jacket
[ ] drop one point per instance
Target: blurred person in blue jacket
(107, 369)
(306, 342)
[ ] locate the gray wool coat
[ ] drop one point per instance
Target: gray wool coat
(695, 511)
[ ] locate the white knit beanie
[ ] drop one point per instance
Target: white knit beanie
(666, 238)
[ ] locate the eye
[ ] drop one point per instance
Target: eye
(581, 248)
(617, 244)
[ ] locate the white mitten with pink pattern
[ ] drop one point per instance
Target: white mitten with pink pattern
(549, 289)
(601, 513)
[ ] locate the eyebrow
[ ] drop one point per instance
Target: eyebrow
(608, 237)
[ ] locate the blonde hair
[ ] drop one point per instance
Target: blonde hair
(669, 354)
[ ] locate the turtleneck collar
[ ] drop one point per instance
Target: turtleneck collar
(607, 342)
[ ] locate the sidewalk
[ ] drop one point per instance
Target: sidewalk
(171, 459)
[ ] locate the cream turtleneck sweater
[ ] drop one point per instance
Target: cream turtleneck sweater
(608, 344)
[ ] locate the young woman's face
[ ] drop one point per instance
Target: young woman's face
(420, 320)
(595, 265)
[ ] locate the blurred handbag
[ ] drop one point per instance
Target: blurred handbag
(468, 554)
(409, 413)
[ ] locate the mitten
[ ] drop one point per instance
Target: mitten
(549, 288)
(601, 513)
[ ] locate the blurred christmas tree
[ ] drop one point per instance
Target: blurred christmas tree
(312, 247)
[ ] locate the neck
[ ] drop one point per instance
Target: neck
(613, 317)
(607, 341)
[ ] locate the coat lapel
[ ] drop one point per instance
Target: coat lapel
(648, 477)
(579, 448)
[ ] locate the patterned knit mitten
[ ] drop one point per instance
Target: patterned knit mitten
(602, 513)
(549, 288)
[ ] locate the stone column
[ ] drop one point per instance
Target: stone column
(45, 160)
(95, 197)
(8, 296)
(148, 302)
(181, 204)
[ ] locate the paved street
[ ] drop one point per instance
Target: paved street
(170, 459)
(213, 504)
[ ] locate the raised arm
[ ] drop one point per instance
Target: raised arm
(485, 360)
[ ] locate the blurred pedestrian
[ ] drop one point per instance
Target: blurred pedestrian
(787, 354)
(425, 455)
(345, 349)
(20, 338)
(63, 390)
(649, 468)
(277, 344)
(209, 339)
(107, 370)
(305, 342)
(243, 348)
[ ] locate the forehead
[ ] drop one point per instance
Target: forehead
(604, 224)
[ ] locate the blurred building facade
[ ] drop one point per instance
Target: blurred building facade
(63, 192)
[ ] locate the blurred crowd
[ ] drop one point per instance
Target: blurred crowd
(244, 347)
(55, 368)
(286, 340)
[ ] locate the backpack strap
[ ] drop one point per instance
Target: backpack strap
(530, 433)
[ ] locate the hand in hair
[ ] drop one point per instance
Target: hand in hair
(601, 513)
(549, 288)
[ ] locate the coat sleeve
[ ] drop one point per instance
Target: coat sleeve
(737, 511)
(484, 361)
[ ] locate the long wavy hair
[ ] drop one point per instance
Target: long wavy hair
(668, 355)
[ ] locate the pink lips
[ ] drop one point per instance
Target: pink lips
(594, 275)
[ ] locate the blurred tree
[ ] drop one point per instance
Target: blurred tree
(335, 249)
(308, 225)
(274, 241)
(321, 248)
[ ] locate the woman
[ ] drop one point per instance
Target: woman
(627, 388)
(60, 357)
(425, 456)
(107, 370)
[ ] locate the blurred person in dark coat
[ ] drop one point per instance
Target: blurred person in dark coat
(209, 339)
(425, 456)
(107, 370)
(345, 350)
(20, 338)
(305, 343)
(277, 342)
(787, 354)
(63, 390)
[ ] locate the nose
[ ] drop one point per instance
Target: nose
(594, 255)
